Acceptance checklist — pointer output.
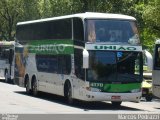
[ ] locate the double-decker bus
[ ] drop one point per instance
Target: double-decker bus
(156, 70)
(85, 56)
(7, 60)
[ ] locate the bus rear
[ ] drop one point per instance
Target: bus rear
(6, 60)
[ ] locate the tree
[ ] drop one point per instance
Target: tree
(30, 9)
(151, 16)
(45, 8)
(9, 12)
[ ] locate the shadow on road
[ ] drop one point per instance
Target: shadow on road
(3, 81)
(80, 104)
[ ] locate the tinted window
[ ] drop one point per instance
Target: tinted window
(79, 71)
(60, 29)
(78, 29)
(54, 64)
(64, 64)
(47, 63)
(4, 53)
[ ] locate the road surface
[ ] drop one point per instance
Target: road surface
(14, 100)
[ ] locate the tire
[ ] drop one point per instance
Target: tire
(116, 103)
(148, 98)
(68, 93)
(28, 90)
(34, 88)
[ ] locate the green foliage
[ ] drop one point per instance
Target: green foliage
(152, 16)
(30, 10)
(145, 11)
(9, 12)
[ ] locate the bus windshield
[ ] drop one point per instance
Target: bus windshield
(115, 31)
(4, 53)
(107, 66)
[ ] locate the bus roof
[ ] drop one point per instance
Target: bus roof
(87, 15)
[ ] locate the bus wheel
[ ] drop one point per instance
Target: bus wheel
(34, 88)
(6, 76)
(149, 98)
(28, 91)
(68, 93)
(116, 103)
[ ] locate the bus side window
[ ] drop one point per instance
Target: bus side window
(61, 29)
(78, 29)
(91, 31)
(64, 64)
(79, 71)
(46, 63)
(157, 58)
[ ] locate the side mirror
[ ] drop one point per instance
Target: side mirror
(149, 59)
(85, 59)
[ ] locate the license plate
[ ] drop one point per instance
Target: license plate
(116, 97)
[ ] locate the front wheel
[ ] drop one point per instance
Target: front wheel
(149, 98)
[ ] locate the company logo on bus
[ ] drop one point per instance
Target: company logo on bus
(112, 47)
(48, 48)
(51, 47)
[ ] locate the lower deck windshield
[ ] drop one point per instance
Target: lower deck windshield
(107, 66)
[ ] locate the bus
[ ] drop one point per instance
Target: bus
(147, 76)
(7, 60)
(156, 70)
(86, 56)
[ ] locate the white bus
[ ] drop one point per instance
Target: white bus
(156, 70)
(7, 60)
(86, 56)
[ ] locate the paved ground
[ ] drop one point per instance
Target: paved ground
(13, 99)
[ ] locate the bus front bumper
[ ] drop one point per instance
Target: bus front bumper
(102, 96)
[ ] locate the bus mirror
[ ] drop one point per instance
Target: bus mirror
(85, 59)
(149, 59)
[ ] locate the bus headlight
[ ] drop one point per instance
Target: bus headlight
(135, 90)
(95, 90)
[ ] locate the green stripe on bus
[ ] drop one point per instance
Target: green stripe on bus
(116, 88)
(51, 47)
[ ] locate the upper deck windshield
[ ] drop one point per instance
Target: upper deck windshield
(108, 66)
(114, 31)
